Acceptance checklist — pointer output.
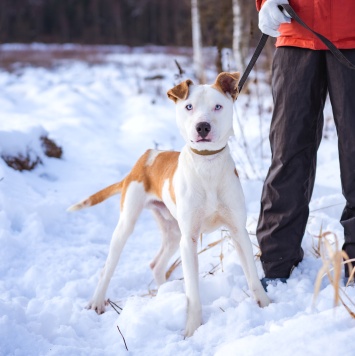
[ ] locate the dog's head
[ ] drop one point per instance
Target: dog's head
(205, 112)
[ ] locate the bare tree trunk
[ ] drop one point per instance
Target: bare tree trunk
(238, 45)
(197, 42)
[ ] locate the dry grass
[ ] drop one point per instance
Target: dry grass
(50, 148)
(21, 162)
(258, 252)
(151, 292)
(333, 261)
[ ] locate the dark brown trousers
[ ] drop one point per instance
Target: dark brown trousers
(300, 83)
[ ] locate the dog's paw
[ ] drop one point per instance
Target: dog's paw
(263, 300)
(189, 332)
(99, 307)
(191, 326)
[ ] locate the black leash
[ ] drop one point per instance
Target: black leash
(339, 56)
(253, 60)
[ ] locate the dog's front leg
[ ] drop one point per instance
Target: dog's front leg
(244, 248)
(188, 250)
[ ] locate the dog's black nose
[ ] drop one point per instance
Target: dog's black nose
(203, 128)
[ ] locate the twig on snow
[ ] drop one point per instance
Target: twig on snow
(124, 340)
(115, 306)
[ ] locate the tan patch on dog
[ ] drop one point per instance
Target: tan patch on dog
(98, 197)
(171, 190)
(153, 173)
(236, 172)
(227, 83)
(180, 91)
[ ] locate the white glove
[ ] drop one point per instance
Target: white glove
(271, 17)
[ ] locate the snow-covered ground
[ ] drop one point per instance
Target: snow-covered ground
(105, 116)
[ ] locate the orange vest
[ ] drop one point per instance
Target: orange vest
(334, 19)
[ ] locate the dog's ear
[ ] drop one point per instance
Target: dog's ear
(180, 91)
(228, 83)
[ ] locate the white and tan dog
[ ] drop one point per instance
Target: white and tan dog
(190, 193)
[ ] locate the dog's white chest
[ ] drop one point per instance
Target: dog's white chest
(203, 190)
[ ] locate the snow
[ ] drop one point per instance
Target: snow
(105, 116)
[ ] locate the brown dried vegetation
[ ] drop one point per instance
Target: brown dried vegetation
(333, 260)
(28, 162)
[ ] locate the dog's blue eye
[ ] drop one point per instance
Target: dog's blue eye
(218, 107)
(188, 107)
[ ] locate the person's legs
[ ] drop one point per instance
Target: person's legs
(299, 90)
(342, 97)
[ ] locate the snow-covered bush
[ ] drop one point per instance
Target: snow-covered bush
(25, 150)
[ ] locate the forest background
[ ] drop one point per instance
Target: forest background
(220, 23)
(128, 22)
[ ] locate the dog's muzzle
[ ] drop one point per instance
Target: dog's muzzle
(203, 129)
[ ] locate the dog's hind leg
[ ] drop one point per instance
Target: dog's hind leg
(132, 206)
(170, 244)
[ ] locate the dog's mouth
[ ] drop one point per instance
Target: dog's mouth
(203, 140)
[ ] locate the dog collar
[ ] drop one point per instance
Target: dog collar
(206, 152)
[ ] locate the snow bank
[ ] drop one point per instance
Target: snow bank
(105, 116)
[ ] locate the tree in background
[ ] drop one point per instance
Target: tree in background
(197, 43)
(217, 28)
(127, 22)
(238, 49)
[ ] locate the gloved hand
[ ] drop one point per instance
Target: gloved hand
(270, 17)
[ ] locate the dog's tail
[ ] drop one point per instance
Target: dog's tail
(98, 197)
